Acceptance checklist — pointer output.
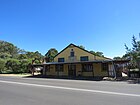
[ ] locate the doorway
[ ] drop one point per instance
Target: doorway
(72, 70)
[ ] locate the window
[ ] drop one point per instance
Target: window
(72, 53)
(47, 68)
(61, 60)
(104, 66)
(59, 68)
(84, 58)
(87, 67)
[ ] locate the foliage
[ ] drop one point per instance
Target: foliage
(134, 52)
(51, 54)
(9, 48)
(97, 53)
(13, 65)
(22, 56)
(81, 46)
(2, 65)
(24, 66)
(4, 55)
(34, 54)
(16, 60)
(117, 58)
(18, 66)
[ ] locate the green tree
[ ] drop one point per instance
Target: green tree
(13, 65)
(30, 54)
(24, 66)
(81, 46)
(93, 52)
(2, 65)
(97, 53)
(38, 55)
(9, 48)
(5, 55)
(16, 59)
(33, 55)
(117, 58)
(22, 56)
(134, 52)
(51, 54)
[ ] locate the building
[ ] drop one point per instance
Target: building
(74, 61)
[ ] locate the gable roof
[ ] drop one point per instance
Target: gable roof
(79, 48)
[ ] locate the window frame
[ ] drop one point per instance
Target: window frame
(105, 67)
(84, 58)
(60, 60)
(87, 67)
(59, 68)
(72, 53)
(47, 68)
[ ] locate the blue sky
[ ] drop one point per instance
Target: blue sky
(99, 25)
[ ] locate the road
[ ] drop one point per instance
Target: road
(37, 91)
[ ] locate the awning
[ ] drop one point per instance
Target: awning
(81, 62)
(78, 62)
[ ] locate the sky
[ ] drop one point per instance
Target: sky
(98, 25)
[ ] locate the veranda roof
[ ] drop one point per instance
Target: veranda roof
(79, 62)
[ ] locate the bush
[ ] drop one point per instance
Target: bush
(24, 66)
(14, 65)
(2, 65)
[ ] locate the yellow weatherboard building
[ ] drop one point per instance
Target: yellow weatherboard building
(74, 61)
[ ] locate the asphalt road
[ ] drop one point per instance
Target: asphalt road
(37, 91)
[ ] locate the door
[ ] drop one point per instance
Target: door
(72, 70)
